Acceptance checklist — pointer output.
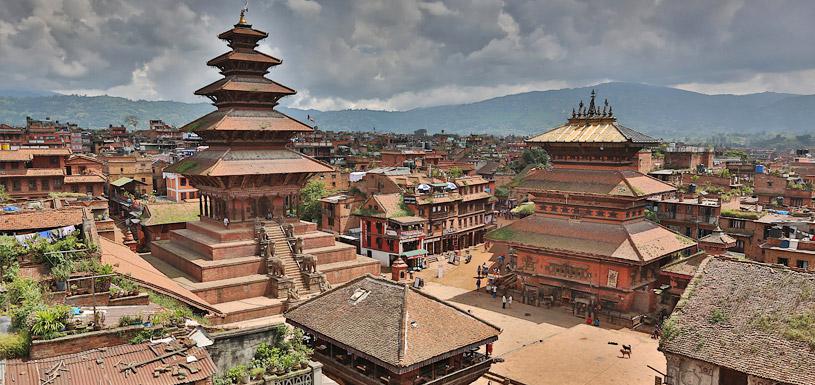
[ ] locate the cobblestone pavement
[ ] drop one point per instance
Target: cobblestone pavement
(547, 346)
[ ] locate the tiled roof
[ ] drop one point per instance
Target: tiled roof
(40, 219)
(32, 172)
(103, 366)
(470, 180)
(603, 182)
(220, 162)
(747, 316)
(639, 241)
(390, 203)
(166, 212)
(84, 179)
(253, 56)
(246, 84)
(488, 168)
(246, 120)
(718, 237)
(127, 262)
(592, 131)
(391, 323)
(686, 266)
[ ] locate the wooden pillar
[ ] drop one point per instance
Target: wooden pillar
(200, 206)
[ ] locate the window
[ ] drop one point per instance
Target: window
(75, 188)
(89, 189)
(379, 243)
(53, 160)
(15, 185)
(784, 261)
(45, 185)
(32, 185)
(801, 264)
(57, 184)
(739, 245)
(736, 224)
(183, 181)
(143, 180)
(121, 170)
(183, 196)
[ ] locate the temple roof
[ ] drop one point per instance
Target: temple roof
(593, 125)
(623, 183)
(235, 119)
(226, 162)
(245, 55)
(639, 241)
(391, 323)
(747, 316)
(246, 84)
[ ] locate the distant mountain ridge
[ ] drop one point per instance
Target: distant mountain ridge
(658, 111)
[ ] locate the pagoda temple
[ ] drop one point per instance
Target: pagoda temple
(589, 244)
(249, 255)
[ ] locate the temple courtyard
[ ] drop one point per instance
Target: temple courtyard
(547, 346)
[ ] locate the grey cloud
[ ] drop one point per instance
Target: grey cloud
(391, 54)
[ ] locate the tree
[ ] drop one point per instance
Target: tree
(531, 156)
(132, 121)
(310, 197)
(3, 194)
(455, 172)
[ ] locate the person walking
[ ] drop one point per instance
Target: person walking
(478, 284)
(503, 302)
(494, 291)
(226, 222)
(479, 271)
(509, 301)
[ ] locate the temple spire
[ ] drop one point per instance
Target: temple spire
(242, 22)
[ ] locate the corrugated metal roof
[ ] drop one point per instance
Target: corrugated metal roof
(105, 366)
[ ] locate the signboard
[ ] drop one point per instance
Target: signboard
(612, 278)
(409, 200)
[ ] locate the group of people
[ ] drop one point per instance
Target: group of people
(482, 271)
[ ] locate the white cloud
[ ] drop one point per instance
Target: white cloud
(797, 82)
(304, 7)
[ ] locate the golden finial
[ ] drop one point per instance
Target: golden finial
(245, 8)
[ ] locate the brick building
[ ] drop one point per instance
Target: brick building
(134, 167)
(588, 244)
(179, 187)
(773, 190)
(35, 173)
(688, 157)
(694, 217)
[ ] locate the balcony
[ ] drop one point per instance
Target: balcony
(404, 234)
(687, 218)
(441, 215)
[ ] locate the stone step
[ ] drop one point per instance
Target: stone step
(201, 268)
(317, 239)
(211, 247)
(249, 308)
(219, 232)
(336, 253)
(232, 289)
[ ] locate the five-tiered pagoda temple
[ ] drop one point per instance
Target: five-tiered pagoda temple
(250, 256)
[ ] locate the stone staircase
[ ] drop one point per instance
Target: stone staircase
(284, 252)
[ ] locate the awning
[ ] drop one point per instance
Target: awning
(414, 253)
(121, 181)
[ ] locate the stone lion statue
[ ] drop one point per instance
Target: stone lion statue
(275, 267)
(298, 246)
(309, 263)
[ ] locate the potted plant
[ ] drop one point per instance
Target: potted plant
(61, 273)
(257, 373)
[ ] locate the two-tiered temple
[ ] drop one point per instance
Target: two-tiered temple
(589, 244)
(266, 257)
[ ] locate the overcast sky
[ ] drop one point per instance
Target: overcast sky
(403, 54)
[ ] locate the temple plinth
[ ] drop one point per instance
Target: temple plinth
(264, 257)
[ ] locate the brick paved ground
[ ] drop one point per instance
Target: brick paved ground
(548, 346)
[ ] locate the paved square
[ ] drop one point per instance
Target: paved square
(549, 346)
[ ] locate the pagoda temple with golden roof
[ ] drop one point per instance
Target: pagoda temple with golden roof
(250, 255)
(589, 244)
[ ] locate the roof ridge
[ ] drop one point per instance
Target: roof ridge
(402, 345)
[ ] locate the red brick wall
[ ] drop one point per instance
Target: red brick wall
(74, 344)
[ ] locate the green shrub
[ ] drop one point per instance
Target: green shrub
(127, 320)
(740, 214)
(14, 345)
(48, 323)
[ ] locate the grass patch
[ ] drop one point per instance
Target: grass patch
(174, 310)
(740, 214)
(14, 345)
(502, 234)
(801, 327)
(717, 316)
(669, 330)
